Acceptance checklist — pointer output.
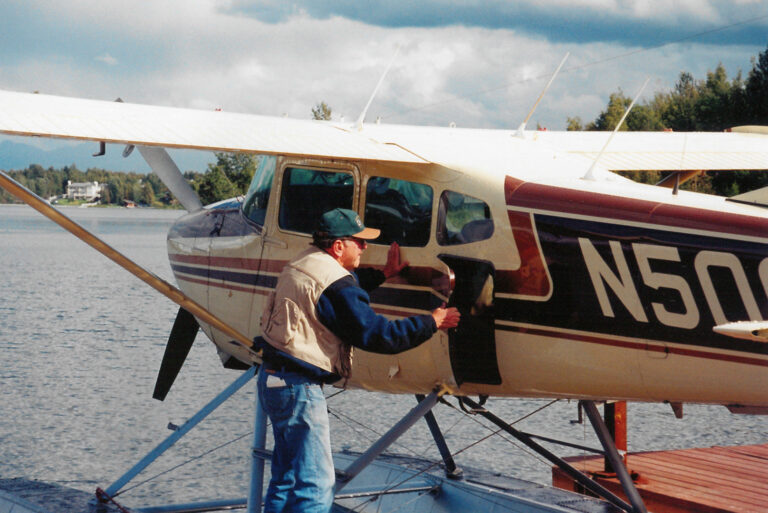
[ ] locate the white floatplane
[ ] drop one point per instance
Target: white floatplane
(573, 282)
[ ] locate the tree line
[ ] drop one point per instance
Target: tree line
(229, 176)
(711, 104)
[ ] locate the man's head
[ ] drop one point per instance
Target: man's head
(342, 234)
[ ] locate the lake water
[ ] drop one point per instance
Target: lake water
(81, 341)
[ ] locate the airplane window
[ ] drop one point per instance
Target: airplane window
(401, 210)
(308, 193)
(462, 219)
(255, 204)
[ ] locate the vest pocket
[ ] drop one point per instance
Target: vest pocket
(284, 321)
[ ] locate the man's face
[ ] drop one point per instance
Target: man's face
(350, 256)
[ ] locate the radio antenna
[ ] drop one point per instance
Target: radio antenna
(590, 173)
(521, 128)
(359, 122)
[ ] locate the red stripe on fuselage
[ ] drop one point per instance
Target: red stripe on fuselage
(531, 279)
(266, 292)
(571, 201)
(218, 284)
(415, 275)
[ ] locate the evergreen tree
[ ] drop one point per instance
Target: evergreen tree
(321, 111)
(756, 91)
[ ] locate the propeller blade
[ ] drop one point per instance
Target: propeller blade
(180, 341)
(162, 286)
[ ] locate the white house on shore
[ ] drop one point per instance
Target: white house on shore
(88, 191)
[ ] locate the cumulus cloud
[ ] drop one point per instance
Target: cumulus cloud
(107, 59)
(641, 22)
(281, 58)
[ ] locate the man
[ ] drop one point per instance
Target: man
(320, 310)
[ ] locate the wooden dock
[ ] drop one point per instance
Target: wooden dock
(706, 480)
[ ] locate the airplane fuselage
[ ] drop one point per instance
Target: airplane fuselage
(568, 288)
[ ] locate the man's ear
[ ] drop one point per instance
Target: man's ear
(337, 248)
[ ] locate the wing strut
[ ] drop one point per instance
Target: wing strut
(359, 122)
(590, 173)
(521, 128)
(164, 167)
(160, 285)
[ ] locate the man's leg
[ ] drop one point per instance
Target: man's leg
(313, 468)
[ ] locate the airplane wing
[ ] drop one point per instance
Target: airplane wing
(114, 122)
(125, 123)
(743, 148)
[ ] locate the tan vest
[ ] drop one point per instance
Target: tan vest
(289, 321)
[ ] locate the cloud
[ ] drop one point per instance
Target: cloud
(456, 65)
(637, 23)
(107, 59)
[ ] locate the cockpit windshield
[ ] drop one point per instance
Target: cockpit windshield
(255, 205)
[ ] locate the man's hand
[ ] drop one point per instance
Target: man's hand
(446, 317)
(394, 264)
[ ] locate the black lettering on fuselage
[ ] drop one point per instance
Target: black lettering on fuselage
(623, 285)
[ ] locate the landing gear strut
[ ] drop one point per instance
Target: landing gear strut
(609, 448)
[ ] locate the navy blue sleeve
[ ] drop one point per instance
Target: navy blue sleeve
(369, 278)
(345, 309)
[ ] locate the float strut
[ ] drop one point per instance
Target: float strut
(256, 490)
(584, 480)
(451, 470)
(601, 430)
(181, 431)
(344, 477)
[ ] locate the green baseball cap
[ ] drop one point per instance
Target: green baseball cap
(341, 222)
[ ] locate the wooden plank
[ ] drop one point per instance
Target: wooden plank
(715, 479)
(712, 480)
(708, 469)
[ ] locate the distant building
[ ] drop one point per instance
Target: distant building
(88, 191)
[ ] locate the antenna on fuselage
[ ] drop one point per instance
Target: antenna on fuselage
(521, 128)
(590, 172)
(359, 122)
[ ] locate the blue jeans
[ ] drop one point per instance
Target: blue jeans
(303, 475)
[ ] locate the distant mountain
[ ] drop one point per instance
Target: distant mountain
(16, 155)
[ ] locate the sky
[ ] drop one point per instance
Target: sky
(469, 62)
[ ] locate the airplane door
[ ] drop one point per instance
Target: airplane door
(472, 344)
(464, 230)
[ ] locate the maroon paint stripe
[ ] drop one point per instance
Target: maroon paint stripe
(250, 264)
(637, 345)
(223, 285)
(531, 278)
(388, 311)
(572, 201)
(423, 276)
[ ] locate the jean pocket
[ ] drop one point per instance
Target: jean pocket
(278, 402)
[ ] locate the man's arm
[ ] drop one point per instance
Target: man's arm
(345, 309)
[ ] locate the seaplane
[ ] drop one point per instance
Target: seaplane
(573, 281)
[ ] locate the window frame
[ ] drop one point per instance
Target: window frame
(311, 165)
(431, 210)
(442, 217)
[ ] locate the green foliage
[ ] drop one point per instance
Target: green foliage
(230, 176)
(574, 124)
(321, 111)
(215, 186)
